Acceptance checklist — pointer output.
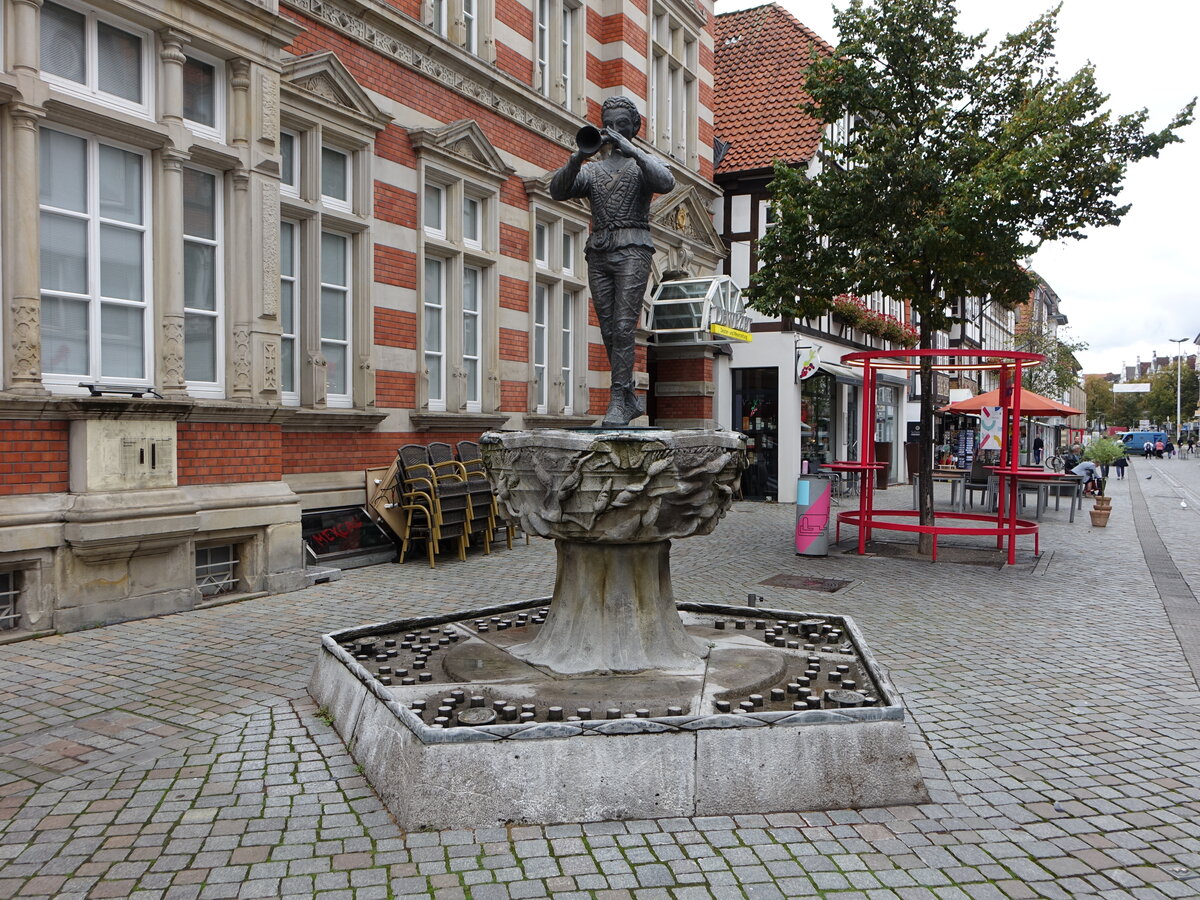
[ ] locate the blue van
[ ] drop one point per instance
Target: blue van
(1135, 441)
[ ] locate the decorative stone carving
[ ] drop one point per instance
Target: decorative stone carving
(172, 353)
(323, 87)
(271, 365)
(327, 13)
(241, 359)
(269, 287)
(269, 97)
(613, 501)
(26, 340)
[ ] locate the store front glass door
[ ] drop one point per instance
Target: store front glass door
(756, 415)
(885, 429)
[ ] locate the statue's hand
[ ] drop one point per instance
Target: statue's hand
(619, 141)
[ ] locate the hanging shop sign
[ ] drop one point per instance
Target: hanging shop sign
(808, 361)
(991, 428)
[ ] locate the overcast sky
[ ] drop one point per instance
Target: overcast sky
(1126, 289)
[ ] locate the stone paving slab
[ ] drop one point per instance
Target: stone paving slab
(1055, 717)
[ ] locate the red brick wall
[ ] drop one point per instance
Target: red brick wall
(395, 328)
(514, 241)
(514, 345)
(395, 205)
(513, 396)
(221, 452)
(33, 457)
(514, 293)
(395, 267)
(694, 369)
(340, 452)
(513, 63)
(685, 407)
(395, 390)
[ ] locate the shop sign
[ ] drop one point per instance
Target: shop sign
(991, 428)
(808, 360)
(330, 531)
(726, 331)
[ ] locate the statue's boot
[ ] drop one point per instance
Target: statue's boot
(619, 413)
(635, 403)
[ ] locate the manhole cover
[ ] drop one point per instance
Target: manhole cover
(806, 583)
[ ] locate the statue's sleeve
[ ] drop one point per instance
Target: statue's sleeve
(570, 181)
(656, 177)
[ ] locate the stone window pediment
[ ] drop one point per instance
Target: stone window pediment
(463, 145)
(323, 78)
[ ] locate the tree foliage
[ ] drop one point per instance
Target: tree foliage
(1059, 372)
(1160, 402)
(963, 160)
(1100, 399)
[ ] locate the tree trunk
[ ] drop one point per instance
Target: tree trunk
(925, 455)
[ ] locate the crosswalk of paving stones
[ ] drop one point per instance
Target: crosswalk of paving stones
(1056, 721)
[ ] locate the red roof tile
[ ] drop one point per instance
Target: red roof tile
(760, 57)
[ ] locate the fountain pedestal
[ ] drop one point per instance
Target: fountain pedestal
(613, 501)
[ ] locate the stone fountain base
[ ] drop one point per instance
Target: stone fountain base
(657, 744)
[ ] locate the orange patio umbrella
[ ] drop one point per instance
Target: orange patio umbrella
(1031, 404)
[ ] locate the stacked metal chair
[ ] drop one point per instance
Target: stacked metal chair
(453, 482)
(472, 461)
(446, 508)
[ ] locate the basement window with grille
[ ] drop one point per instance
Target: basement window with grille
(217, 570)
(10, 593)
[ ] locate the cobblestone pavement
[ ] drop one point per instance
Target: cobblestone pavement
(1053, 708)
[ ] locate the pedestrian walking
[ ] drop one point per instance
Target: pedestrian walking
(1038, 446)
(1159, 447)
(1120, 465)
(1191, 446)
(1169, 449)
(1147, 449)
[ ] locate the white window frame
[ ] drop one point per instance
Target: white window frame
(470, 20)
(674, 91)
(90, 89)
(346, 398)
(475, 243)
(476, 314)
(68, 382)
(543, 242)
(215, 131)
(570, 250)
(539, 340)
(292, 188)
(327, 199)
(212, 388)
(569, 26)
(435, 359)
(291, 398)
(434, 229)
(440, 17)
(542, 12)
(568, 313)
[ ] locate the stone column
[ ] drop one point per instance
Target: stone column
(23, 263)
(168, 237)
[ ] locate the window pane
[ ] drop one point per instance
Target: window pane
(64, 254)
(539, 304)
(333, 314)
(470, 336)
(63, 170)
(63, 50)
(334, 166)
(539, 242)
(335, 373)
(433, 330)
(120, 185)
(333, 259)
(200, 347)
(119, 62)
(287, 306)
(288, 362)
(568, 251)
(471, 219)
(434, 365)
(199, 276)
(433, 207)
(199, 204)
(472, 371)
(287, 248)
(287, 149)
(199, 92)
(121, 263)
(471, 288)
(121, 337)
(64, 336)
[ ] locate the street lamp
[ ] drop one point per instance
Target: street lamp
(1178, 342)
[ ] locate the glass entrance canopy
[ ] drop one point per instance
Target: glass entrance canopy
(698, 311)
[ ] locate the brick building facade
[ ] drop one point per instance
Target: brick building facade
(315, 230)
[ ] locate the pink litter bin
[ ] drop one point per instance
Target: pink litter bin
(814, 494)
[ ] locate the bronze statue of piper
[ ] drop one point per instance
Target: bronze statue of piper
(619, 186)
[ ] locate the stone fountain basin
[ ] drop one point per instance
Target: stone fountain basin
(696, 764)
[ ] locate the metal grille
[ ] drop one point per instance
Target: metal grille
(10, 616)
(216, 570)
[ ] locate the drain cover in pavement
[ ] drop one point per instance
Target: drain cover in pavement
(806, 583)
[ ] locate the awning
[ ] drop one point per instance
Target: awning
(853, 375)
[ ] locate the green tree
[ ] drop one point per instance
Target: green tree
(1100, 399)
(962, 161)
(1160, 402)
(1060, 371)
(1128, 410)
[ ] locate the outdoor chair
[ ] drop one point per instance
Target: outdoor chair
(979, 480)
(472, 461)
(453, 480)
(406, 512)
(447, 509)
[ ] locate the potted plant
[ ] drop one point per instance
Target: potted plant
(1103, 452)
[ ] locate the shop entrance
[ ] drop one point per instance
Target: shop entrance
(756, 415)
